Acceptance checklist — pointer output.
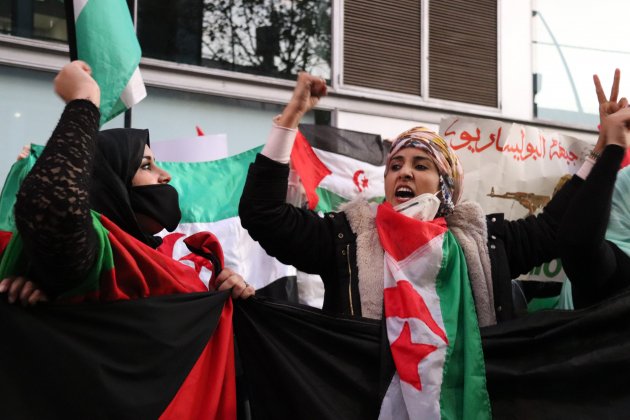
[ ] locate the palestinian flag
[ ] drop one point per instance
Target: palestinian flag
(431, 323)
(343, 164)
(551, 365)
(103, 35)
(94, 356)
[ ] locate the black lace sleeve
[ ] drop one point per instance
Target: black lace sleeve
(52, 211)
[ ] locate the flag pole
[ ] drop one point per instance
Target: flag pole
(70, 28)
(133, 10)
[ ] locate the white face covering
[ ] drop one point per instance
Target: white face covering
(421, 207)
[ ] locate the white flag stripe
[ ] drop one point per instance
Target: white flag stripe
(423, 266)
(347, 172)
(425, 403)
(242, 253)
(420, 269)
(180, 250)
(135, 91)
(78, 7)
(392, 407)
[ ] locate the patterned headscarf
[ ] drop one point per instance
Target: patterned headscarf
(444, 158)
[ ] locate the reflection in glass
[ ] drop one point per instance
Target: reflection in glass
(39, 19)
(276, 38)
(273, 38)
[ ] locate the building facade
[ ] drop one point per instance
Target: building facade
(227, 66)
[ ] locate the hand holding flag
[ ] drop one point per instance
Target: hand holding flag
(75, 81)
(106, 40)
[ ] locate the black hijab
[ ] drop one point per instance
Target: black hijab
(118, 157)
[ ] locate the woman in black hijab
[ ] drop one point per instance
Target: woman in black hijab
(141, 205)
(113, 173)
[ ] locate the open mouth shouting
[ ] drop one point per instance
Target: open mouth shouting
(404, 193)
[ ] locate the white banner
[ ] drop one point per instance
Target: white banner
(513, 169)
(191, 149)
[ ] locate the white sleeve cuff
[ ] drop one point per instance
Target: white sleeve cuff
(279, 143)
(586, 167)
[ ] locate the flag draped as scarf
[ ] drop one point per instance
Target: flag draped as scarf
(431, 323)
(125, 357)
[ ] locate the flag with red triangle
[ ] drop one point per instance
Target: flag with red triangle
(336, 165)
(431, 323)
(309, 167)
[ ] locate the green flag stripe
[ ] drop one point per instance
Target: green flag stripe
(106, 40)
(464, 379)
(14, 260)
(14, 179)
(210, 191)
(329, 201)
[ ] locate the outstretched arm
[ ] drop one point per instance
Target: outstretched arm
(534, 240)
(295, 236)
(52, 210)
(306, 95)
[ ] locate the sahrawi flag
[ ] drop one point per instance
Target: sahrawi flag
(106, 40)
(334, 166)
(431, 323)
(341, 165)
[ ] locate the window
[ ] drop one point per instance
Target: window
(383, 48)
(463, 51)
(30, 110)
(39, 19)
(264, 37)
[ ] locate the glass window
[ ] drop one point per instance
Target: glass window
(276, 38)
(29, 111)
(571, 42)
(263, 37)
(5, 16)
(39, 19)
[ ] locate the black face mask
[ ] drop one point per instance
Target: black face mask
(158, 201)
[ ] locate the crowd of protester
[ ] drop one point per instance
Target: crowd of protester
(94, 195)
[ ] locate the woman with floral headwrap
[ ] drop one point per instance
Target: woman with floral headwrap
(343, 247)
(432, 268)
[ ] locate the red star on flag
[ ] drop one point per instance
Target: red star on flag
(408, 355)
(403, 301)
(168, 247)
